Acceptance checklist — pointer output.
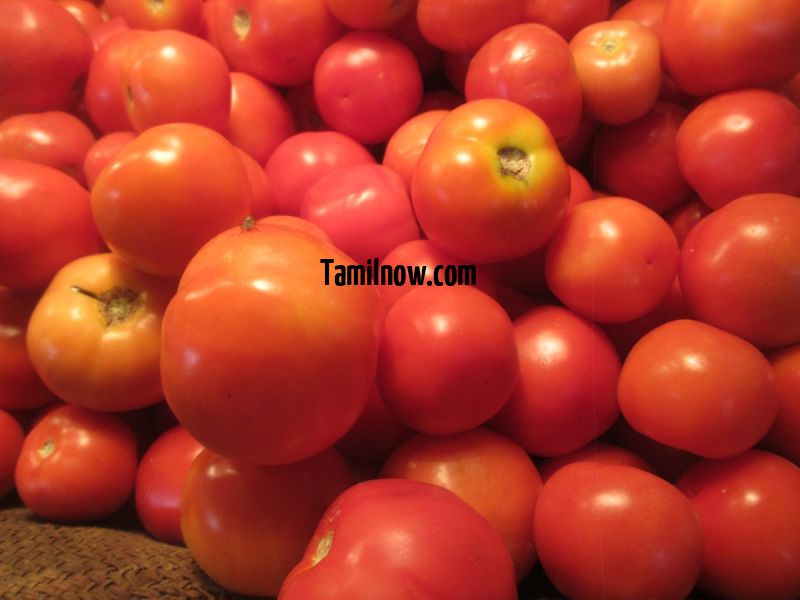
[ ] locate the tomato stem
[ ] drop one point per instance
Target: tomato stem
(116, 304)
(514, 163)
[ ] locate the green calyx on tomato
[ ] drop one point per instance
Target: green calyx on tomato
(116, 304)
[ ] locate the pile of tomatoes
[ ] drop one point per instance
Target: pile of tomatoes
(618, 396)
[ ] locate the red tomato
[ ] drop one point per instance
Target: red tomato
(748, 506)
(447, 360)
(462, 26)
(293, 376)
(545, 416)
(490, 472)
(739, 269)
(300, 99)
(567, 17)
(260, 118)
(589, 517)
(85, 12)
(166, 193)
(186, 15)
(698, 388)
(57, 139)
(260, 193)
(160, 480)
(246, 525)
(95, 336)
(407, 143)
(394, 539)
(102, 152)
(531, 65)
(364, 209)
(596, 452)
(575, 149)
(579, 189)
(685, 216)
(712, 46)
(619, 67)
(277, 41)
(46, 53)
(456, 67)
(161, 74)
(639, 160)
(295, 223)
(76, 465)
(305, 158)
(106, 30)
(440, 100)
(612, 260)
(345, 90)
(742, 142)
(64, 231)
(784, 437)
(495, 149)
(407, 31)
(373, 15)
(11, 438)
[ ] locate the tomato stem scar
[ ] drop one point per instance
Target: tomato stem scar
(514, 163)
(116, 304)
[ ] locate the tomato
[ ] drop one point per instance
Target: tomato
(374, 15)
(575, 149)
(698, 388)
(106, 30)
(166, 193)
(545, 416)
(395, 539)
(407, 143)
(300, 99)
(784, 436)
(407, 32)
(246, 525)
(685, 216)
(612, 260)
(531, 65)
(53, 138)
(160, 480)
(289, 362)
(30, 256)
(305, 158)
(739, 143)
(102, 152)
(161, 73)
(495, 149)
(11, 438)
(739, 269)
(748, 506)
(94, 337)
(639, 160)
(711, 47)
(488, 471)
(462, 26)
(277, 41)
(447, 361)
(619, 67)
(345, 91)
(579, 189)
(596, 452)
(566, 17)
(456, 67)
(186, 15)
(440, 100)
(364, 209)
(46, 54)
(589, 517)
(52, 477)
(260, 193)
(295, 223)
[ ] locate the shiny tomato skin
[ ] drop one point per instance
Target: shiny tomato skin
(712, 47)
(697, 388)
(543, 415)
(531, 65)
(738, 143)
(102, 152)
(612, 260)
(168, 192)
(590, 515)
(739, 269)
(185, 15)
(46, 54)
(247, 525)
(595, 452)
(748, 507)
(784, 436)
(566, 17)
(11, 438)
(488, 471)
(30, 256)
(407, 143)
(52, 477)
(85, 12)
(396, 539)
(290, 361)
(447, 361)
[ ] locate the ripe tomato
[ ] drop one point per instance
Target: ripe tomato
(289, 362)
(64, 231)
(166, 193)
(495, 149)
(545, 416)
(186, 15)
(95, 335)
(590, 515)
(246, 525)
(395, 539)
(567, 17)
(260, 193)
(76, 465)
(596, 452)
(447, 360)
(462, 26)
(784, 436)
(739, 269)
(685, 216)
(407, 32)
(373, 15)
(11, 438)
(698, 388)
(738, 143)
(531, 65)
(407, 143)
(748, 507)
(85, 12)
(612, 260)
(102, 152)
(619, 67)
(490, 472)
